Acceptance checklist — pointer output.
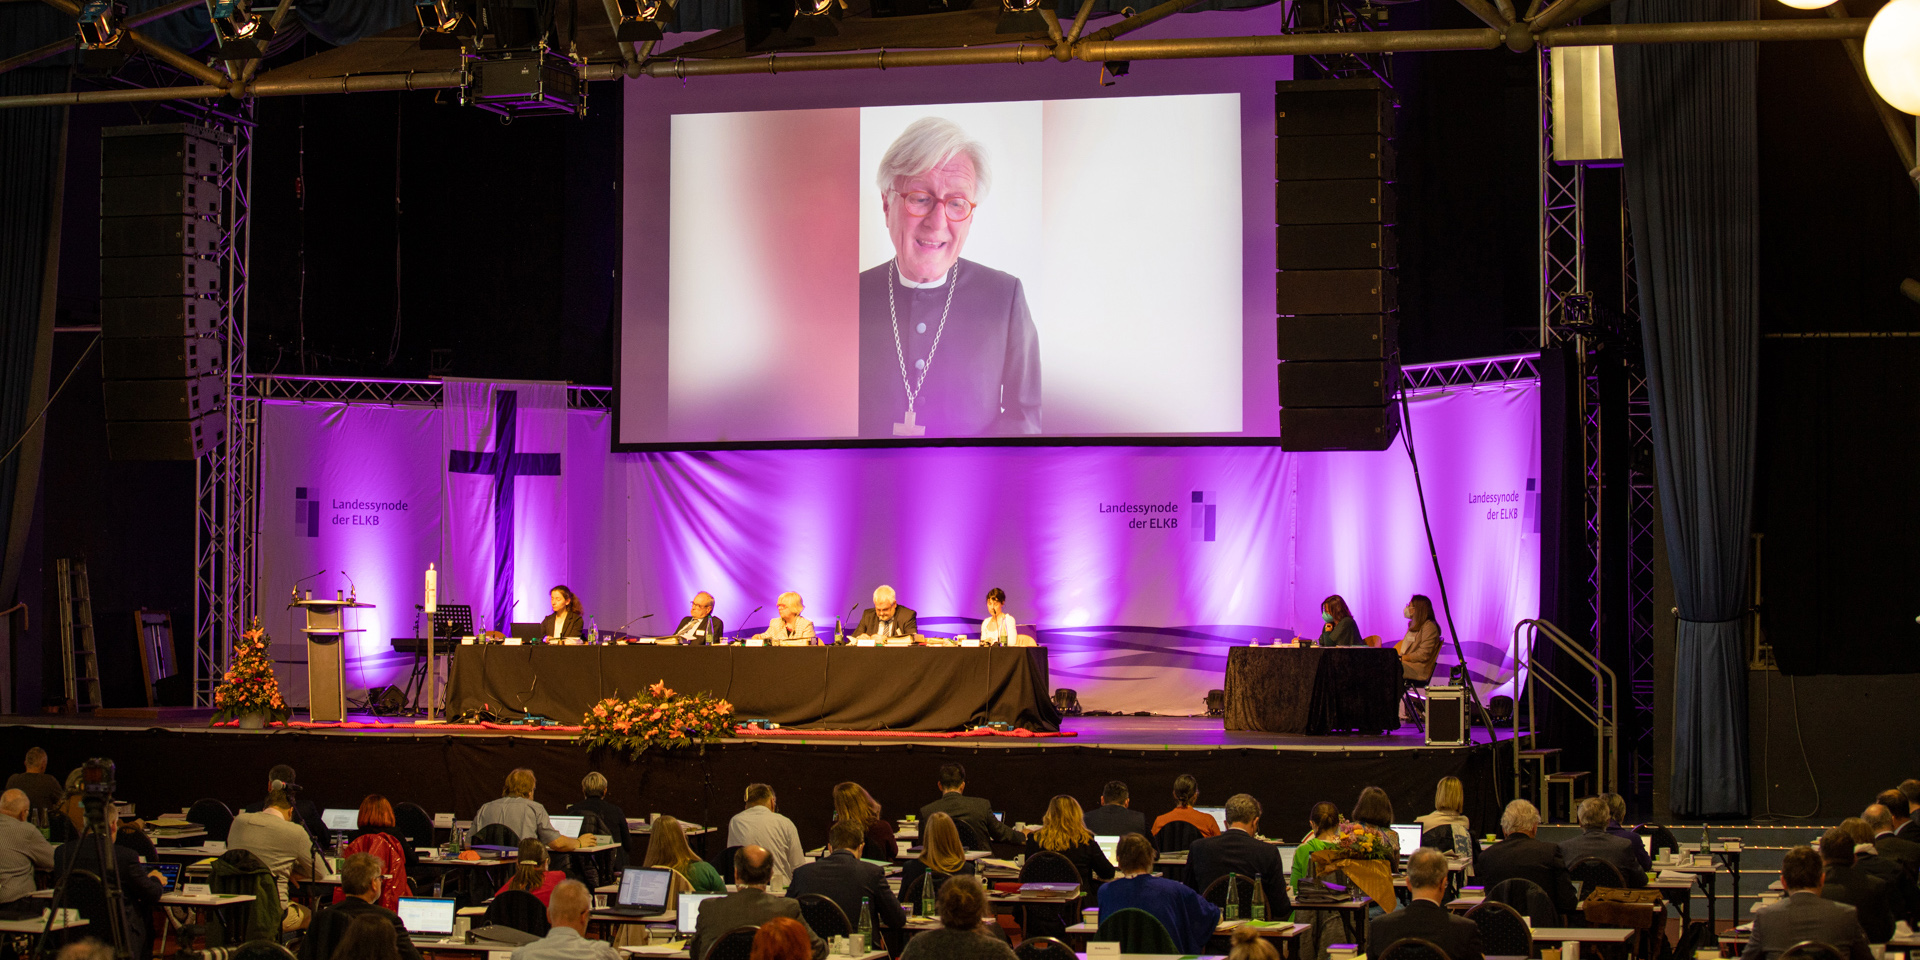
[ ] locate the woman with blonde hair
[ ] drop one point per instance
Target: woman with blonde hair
(942, 857)
(1064, 831)
(667, 847)
(530, 873)
(853, 804)
(1248, 944)
(1449, 803)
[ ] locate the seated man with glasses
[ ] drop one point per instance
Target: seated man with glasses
(947, 346)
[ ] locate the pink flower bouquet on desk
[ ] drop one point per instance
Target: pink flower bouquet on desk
(658, 717)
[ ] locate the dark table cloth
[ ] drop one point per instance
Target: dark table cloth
(1312, 690)
(824, 688)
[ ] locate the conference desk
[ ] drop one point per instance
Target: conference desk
(822, 688)
(1312, 690)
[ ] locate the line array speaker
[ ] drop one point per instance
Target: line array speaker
(1335, 293)
(161, 289)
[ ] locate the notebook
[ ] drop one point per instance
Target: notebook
(428, 920)
(567, 824)
(340, 821)
(643, 891)
(689, 912)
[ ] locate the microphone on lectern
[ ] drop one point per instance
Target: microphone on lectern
(297, 583)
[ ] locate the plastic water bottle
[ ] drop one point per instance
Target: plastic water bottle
(1232, 911)
(1259, 900)
(866, 925)
(593, 631)
(839, 636)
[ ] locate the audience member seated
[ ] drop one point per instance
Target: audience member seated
(1248, 944)
(749, 904)
(1805, 915)
(44, 792)
(1186, 792)
(1897, 809)
(376, 816)
(1238, 850)
(844, 878)
(1324, 819)
(140, 886)
(1063, 831)
(853, 804)
(259, 949)
(975, 812)
(941, 856)
(360, 880)
(1594, 841)
(1374, 809)
(1906, 853)
(667, 847)
(593, 790)
(1617, 825)
(1910, 790)
(516, 810)
(1449, 804)
(67, 820)
(281, 844)
(1521, 856)
(22, 851)
(305, 814)
(781, 939)
(1842, 882)
(1426, 917)
(1186, 916)
(569, 912)
(1113, 818)
(1902, 893)
(961, 936)
(367, 938)
(530, 873)
(92, 949)
(761, 825)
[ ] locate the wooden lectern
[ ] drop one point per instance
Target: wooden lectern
(326, 656)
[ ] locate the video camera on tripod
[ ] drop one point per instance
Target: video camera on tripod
(96, 788)
(97, 784)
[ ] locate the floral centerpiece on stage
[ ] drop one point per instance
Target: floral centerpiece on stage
(1362, 855)
(249, 692)
(657, 718)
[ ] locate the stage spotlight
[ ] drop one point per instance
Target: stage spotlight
(636, 20)
(1892, 52)
(814, 18)
(1020, 16)
(241, 34)
(1067, 702)
(99, 24)
(1807, 4)
(444, 24)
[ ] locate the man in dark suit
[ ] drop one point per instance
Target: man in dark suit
(844, 878)
(1910, 793)
(1616, 825)
(1112, 818)
(700, 626)
(1426, 917)
(1240, 851)
(1523, 857)
(1897, 807)
(976, 812)
(748, 905)
(887, 618)
(1594, 841)
(1903, 895)
(1845, 883)
(1805, 915)
(360, 881)
(1904, 852)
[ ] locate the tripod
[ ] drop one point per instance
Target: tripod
(98, 837)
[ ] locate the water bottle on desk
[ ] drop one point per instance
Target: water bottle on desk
(593, 631)
(1232, 909)
(866, 926)
(1259, 900)
(926, 895)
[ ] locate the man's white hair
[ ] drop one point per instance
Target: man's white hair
(1519, 817)
(14, 802)
(927, 143)
(884, 594)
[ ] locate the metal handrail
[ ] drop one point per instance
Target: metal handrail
(1603, 712)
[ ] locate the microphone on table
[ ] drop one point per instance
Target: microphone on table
(297, 583)
(630, 623)
(849, 616)
(754, 611)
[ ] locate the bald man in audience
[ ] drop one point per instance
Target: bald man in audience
(1904, 852)
(748, 905)
(22, 851)
(569, 909)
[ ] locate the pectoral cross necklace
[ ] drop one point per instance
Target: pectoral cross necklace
(909, 428)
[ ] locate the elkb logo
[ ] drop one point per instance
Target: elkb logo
(306, 512)
(1201, 520)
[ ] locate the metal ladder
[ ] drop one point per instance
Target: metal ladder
(79, 662)
(1600, 708)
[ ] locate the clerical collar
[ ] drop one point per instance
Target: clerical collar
(929, 285)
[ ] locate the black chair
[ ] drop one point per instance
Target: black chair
(825, 916)
(1137, 931)
(1043, 948)
(1503, 931)
(414, 823)
(1663, 838)
(520, 910)
(1592, 873)
(1413, 948)
(1049, 919)
(1439, 838)
(1416, 705)
(972, 837)
(725, 866)
(1528, 899)
(1811, 950)
(87, 893)
(736, 945)
(1050, 867)
(1176, 836)
(214, 816)
(494, 835)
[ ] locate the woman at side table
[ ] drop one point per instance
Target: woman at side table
(1420, 649)
(999, 626)
(1339, 630)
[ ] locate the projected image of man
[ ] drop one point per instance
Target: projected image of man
(947, 346)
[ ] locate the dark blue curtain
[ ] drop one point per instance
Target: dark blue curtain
(1687, 123)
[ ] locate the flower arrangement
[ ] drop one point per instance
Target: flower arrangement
(249, 686)
(1358, 842)
(657, 718)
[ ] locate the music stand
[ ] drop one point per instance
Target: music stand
(451, 621)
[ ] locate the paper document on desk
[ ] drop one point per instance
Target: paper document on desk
(1676, 875)
(1002, 864)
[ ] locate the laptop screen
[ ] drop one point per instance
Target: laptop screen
(644, 887)
(1286, 857)
(1219, 815)
(1646, 841)
(1410, 838)
(569, 826)
(1109, 846)
(340, 821)
(425, 915)
(689, 910)
(169, 870)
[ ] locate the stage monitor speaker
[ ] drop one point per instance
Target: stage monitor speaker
(1366, 336)
(1318, 429)
(1335, 291)
(1336, 246)
(1333, 201)
(157, 317)
(1446, 716)
(1358, 156)
(164, 399)
(1324, 108)
(1338, 383)
(164, 439)
(159, 358)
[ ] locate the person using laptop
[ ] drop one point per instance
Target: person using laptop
(530, 873)
(1186, 792)
(1113, 818)
(376, 816)
(360, 885)
(569, 911)
(748, 905)
(642, 892)
(975, 812)
(844, 878)
(518, 811)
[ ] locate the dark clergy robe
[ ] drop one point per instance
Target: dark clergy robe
(984, 380)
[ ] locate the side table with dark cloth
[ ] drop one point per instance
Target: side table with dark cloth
(823, 688)
(1312, 690)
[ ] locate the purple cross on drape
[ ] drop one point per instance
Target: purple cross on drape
(503, 463)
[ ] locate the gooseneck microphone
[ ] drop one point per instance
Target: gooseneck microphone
(297, 583)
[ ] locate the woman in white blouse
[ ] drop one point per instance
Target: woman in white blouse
(999, 626)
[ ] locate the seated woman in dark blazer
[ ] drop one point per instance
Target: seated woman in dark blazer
(1339, 629)
(941, 857)
(1064, 831)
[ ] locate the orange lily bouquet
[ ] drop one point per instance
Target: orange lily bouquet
(249, 686)
(659, 717)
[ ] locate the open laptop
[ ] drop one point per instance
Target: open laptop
(643, 892)
(340, 820)
(568, 824)
(1109, 846)
(1219, 815)
(689, 911)
(428, 919)
(169, 870)
(1410, 838)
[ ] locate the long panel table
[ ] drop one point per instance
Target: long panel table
(1312, 690)
(822, 688)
